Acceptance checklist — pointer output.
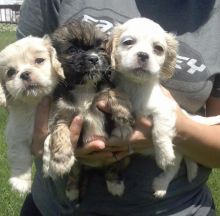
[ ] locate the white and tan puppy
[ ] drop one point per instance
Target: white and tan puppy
(29, 70)
(142, 52)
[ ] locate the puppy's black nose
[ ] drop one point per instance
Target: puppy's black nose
(143, 56)
(93, 59)
(25, 75)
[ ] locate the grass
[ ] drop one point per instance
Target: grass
(10, 202)
(214, 185)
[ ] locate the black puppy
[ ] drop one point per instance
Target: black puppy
(81, 50)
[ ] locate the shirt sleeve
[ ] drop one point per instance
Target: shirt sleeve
(216, 86)
(38, 17)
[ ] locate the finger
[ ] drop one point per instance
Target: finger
(142, 129)
(95, 155)
(138, 134)
(143, 122)
(90, 147)
(75, 130)
(40, 127)
(116, 148)
(116, 143)
(104, 106)
(121, 155)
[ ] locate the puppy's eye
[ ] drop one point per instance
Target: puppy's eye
(158, 49)
(72, 49)
(128, 41)
(11, 72)
(99, 42)
(39, 60)
(102, 49)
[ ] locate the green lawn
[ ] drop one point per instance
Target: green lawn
(10, 202)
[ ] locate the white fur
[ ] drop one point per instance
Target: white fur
(115, 188)
(139, 79)
(22, 103)
(72, 194)
(2, 96)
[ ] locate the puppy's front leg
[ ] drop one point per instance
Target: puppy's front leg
(121, 115)
(20, 160)
(73, 187)
(114, 182)
(161, 183)
(62, 155)
(163, 132)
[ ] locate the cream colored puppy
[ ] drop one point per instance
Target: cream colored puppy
(141, 53)
(29, 70)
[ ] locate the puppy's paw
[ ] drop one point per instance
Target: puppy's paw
(72, 193)
(62, 156)
(116, 188)
(61, 163)
(21, 185)
(159, 187)
(123, 120)
(165, 159)
(121, 132)
(160, 194)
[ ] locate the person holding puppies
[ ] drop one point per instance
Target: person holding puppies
(194, 86)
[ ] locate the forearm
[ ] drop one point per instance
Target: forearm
(199, 142)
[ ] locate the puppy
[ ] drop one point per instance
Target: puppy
(81, 50)
(29, 70)
(142, 52)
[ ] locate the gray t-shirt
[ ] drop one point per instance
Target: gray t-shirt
(196, 24)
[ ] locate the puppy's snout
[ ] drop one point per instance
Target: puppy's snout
(25, 75)
(143, 56)
(93, 59)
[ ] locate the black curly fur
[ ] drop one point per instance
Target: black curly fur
(75, 43)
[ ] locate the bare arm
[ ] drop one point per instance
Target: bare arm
(197, 141)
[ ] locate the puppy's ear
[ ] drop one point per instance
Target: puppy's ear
(113, 43)
(3, 100)
(53, 56)
(171, 55)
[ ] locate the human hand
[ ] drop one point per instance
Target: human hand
(90, 152)
(99, 152)
(138, 141)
